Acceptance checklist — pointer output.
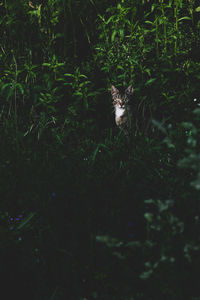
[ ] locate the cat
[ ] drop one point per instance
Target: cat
(122, 108)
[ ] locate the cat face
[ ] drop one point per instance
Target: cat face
(121, 106)
(118, 100)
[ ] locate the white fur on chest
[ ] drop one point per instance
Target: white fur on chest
(119, 111)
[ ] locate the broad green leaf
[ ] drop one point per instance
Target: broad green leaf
(6, 85)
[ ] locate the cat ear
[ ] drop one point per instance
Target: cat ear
(129, 90)
(114, 91)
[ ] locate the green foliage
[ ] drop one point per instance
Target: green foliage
(191, 160)
(86, 214)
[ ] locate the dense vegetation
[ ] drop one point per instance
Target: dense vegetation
(83, 214)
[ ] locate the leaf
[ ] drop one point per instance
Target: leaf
(148, 217)
(26, 220)
(197, 9)
(97, 150)
(92, 94)
(60, 64)
(101, 17)
(29, 130)
(121, 33)
(82, 75)
(148, 71)
(146, 275)
(119, 6)
(92, 2)
(133, 244)
(46, 64)
(20, 87)
(5, 86)
(113, 35)
(84, 83)
(69, 75)
(68, 83)
(184, 18)
(78, 94)
(95, 153)
(11, 91)
(149, 22)
(150, 81)
(168, 142)
(149, 201)
(109, 20)
(109, 241)
(153, 7)
(159, 126)
(120, 67)
(170, 2)
(197, 111)
(187, 125)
